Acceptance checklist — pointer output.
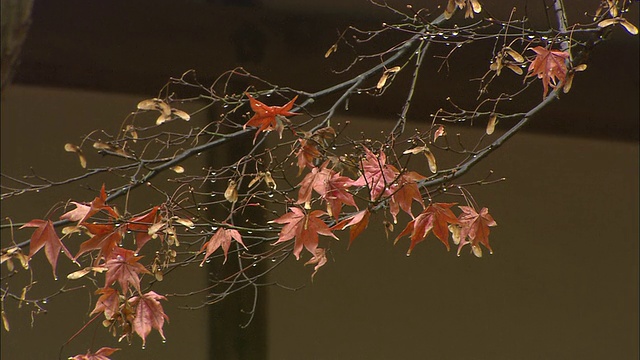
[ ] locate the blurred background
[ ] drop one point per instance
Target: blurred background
(563, 280)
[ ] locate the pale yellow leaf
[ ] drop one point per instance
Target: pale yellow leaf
(514, 55)
(632, 29)
(231, 193)
(382, 81)
(607, 22)
(491, 125)
(181, 114)
(78, 274)
(185, 222)
(163, 118)
(431, 159)
(70, 230)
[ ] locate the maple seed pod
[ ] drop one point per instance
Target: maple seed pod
(159, 275)
(181, 114)
(382, 81)
(154, 104)
(5, 321)
(10, 267)
(455, 232)
(78, 274)
(431, 160)
(256, 179)
(185, 222)
(68, 147)
(268, 179)
(163, 118)
(153, 229)
(514, 54)
(331, 50)
(568, 81)
(177, 169)
(491, 125)
(477, 251)
(415, 150)
(231, 194)
(132, 130)
(102, 146)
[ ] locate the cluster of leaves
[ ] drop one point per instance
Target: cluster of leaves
(126, 307)
(369, 181)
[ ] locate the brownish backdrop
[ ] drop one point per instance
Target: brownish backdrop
(562, 284)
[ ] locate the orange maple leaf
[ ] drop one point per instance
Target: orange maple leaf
(358, 222)
(549, 66)
(222, 238)
(268, 118)
(436, 218)
(475, 227)
(149, 314)
(304, 227)
(45, 236)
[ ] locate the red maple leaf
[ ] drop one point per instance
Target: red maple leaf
(549, 66)
(358, 222)
(45, 236)
(106, 237)
(148, 314)
(336, 193)
(377, 174)
(475, 227)
(222, 238)
(405, 191)
(304, 227)
(102, 354)
(123, 267)
(314, 180)
(268, 118)
(140, 226)
(330, 185)
(436, 218)
(108, 302)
